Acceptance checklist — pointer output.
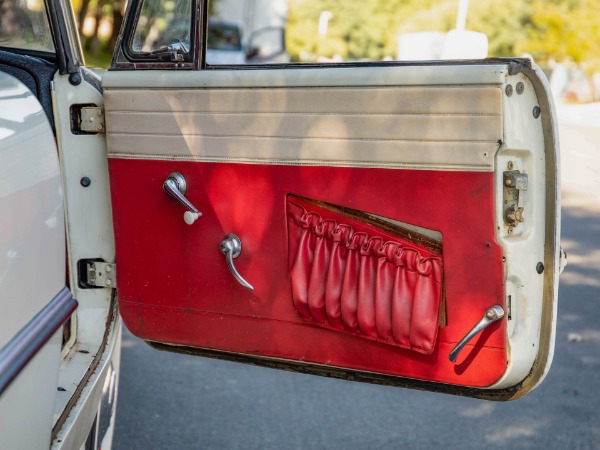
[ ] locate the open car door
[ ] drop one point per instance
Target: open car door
(392, 223)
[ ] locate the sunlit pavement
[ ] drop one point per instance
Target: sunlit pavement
(580, 152)
(173, 401)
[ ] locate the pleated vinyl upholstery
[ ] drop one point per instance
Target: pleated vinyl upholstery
(350, 276)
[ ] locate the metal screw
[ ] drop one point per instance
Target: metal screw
(536, 112)
(510, 165)
(509, 90)
(540, 267)
(108, 282)
(510, 230)
(85, 182)
(520, 87)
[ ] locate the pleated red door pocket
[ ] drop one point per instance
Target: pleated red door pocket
(355, 274)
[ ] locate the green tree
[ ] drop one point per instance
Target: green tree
(568, 30)
(368, 29)
(357, 30)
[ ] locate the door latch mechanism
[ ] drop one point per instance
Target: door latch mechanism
(514, 182)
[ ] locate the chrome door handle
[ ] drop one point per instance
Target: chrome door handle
(176, 186)
(231, 247)
(492, 315)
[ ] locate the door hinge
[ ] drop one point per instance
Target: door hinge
(514, 183)
(101, 274)
(97, 274)
(87, 119)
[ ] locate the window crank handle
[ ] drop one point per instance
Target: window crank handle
(492, 315)
(176, 186)
(231, 247)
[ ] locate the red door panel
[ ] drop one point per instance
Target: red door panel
(175, 287)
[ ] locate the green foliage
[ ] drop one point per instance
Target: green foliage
(565, 31)
(357, 29)
(368, 29)
(101, 61)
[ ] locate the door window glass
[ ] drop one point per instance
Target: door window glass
(24, 25)
(163, 26)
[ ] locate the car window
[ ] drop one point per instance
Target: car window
(163, 24)
(322, 31)
(24, 25)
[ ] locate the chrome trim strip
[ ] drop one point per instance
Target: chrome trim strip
(15, 355)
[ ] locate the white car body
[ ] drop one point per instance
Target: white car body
(33, 250)
(32, 214)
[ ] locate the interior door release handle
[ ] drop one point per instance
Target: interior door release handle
(231, 247)
(492, 315)
(176, 187)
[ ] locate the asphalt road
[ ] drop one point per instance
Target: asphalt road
(173, 401)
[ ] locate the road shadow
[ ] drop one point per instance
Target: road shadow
(581, 240)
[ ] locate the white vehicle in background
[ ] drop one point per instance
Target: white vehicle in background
(399, 222)
(435, 45)
(225, 45)
(458, 43)
(247, 32)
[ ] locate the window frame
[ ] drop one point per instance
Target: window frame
(126, 59)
